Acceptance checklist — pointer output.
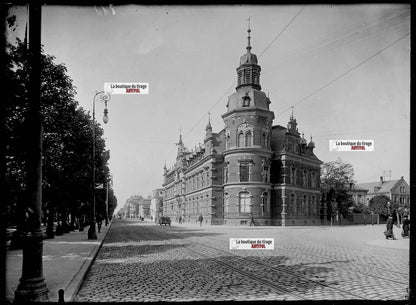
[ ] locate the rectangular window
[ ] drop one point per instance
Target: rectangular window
(265, 174)
(244, 203)
(244, 172)
(226, 173)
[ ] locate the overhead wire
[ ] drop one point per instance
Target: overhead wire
(234, 83)
(328, 47)
(345, 73)
(352, 35)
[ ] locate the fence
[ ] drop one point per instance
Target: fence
(358, 218)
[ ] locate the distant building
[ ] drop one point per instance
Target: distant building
(359, 194)
(156, 204)
(144, 207)
(397, 190)
(250, 169)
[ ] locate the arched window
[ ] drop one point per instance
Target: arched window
(265, 173)
(313, 206)
(226, 203)
(305, 205)
(305, 178)
(244, 202)
(240, 140)
(248, 139)
(226, 172)
(299, 206)
(313, 182)
(293, 175)
(292, 204)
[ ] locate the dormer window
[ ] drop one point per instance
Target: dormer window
(246, 100)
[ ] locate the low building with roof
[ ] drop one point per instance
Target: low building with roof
(397, 190)
(359, 194)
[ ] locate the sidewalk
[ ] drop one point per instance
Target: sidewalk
(66, 259)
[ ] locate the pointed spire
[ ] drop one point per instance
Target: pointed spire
(248, 36)
(291, 116)
(209, 121)
(180, 135)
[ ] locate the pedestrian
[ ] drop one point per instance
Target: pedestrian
(406, 227)
(99, 222)
(389, 228)
(200, 220)
(180, 219)
(252, 221)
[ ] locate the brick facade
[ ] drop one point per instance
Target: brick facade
(250, 170)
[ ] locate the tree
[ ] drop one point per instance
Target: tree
(378, 204)
(336, 177)
(337, 174)
(67, 140)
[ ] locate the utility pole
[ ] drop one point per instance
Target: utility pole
(32, 285)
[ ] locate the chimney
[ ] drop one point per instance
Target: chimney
(381, 179)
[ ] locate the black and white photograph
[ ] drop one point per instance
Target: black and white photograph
(187, 153)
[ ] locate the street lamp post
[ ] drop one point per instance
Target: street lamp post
(32, 286)
(105, 97)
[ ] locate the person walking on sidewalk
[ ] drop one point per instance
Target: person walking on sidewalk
(406, 227)
(99, 222)
(252, 221)
(389, 228)
(200, 220)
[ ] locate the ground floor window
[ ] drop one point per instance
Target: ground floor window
(244, 202)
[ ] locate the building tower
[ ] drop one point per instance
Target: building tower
(247, 154)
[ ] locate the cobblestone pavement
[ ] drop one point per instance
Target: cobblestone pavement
(144, 262)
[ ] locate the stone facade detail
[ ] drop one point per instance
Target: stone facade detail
(250, 170)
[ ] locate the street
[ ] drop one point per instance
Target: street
(144, 262)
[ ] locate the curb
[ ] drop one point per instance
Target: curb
(75, 284)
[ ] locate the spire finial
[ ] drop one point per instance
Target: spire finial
(291, 116)
(209, 122)
(248, 37)
(180, 135)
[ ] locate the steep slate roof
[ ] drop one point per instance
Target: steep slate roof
(385, 187)
(357, 188)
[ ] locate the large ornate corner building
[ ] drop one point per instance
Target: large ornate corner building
(250, 169)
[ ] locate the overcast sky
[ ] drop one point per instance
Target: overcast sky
(345, 69)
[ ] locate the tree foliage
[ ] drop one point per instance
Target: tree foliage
(67, 137)
(336, 177)
(337, 174)
(378, 204)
